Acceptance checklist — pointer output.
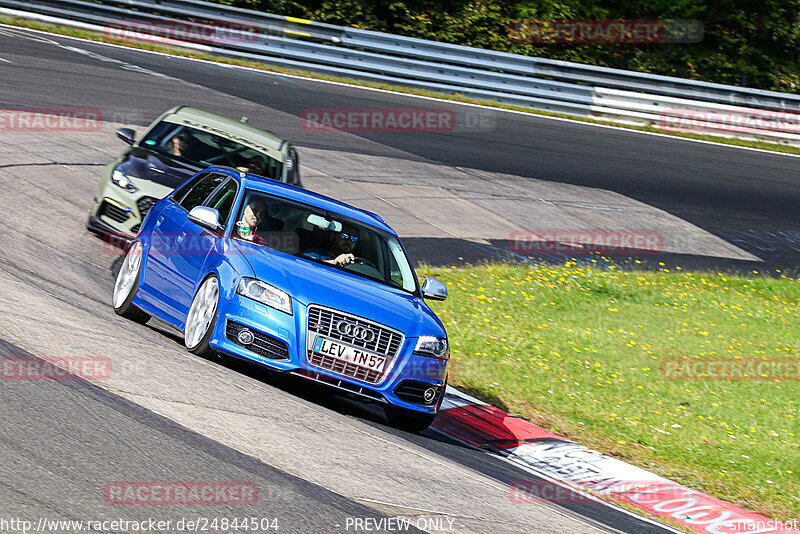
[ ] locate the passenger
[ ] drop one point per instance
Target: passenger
(340, 247)
(252, 215)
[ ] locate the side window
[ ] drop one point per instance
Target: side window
(199, 193)
(400, 270)
(222, 200)
(179, 193)
(292, 167)
(273, 169)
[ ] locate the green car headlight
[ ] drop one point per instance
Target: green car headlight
(122, 180)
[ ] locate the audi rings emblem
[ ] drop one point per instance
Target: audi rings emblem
(356, 331)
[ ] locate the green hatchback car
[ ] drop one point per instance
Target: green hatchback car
(174, 147)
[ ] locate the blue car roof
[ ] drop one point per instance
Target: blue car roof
(267, 185)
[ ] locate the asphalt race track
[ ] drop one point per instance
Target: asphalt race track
(165, 415)
(94, 435)
(748, 196)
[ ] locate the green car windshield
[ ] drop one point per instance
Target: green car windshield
(308, 232)
(211, 148)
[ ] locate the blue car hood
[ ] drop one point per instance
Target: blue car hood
(312, 283)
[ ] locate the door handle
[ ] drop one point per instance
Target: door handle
(180, 237)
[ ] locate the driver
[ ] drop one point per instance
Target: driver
(340, 247)
(253, 165)
(184, 144)
(253, 213)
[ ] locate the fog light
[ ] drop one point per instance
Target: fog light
(429, 394)
(245, 337)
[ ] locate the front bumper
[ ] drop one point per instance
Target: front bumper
(405, 382)
(110, 234)
(121, 212)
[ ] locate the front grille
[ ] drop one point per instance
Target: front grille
(386, 341)
(263, 344)
(345, 368)
(113, 212)
(340, 384)
(144, 204)
(414, 392)
(136, 228)
(323, 321)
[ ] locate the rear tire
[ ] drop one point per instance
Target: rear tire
(126, 285)
(202, 318)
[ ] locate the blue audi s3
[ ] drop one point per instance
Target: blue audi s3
(298, 282)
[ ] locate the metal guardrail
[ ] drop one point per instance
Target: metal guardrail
(558, 86)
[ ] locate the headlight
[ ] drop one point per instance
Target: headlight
(433, 346)
(121, 179)
(266, 294)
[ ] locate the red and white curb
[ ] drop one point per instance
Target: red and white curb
(571, 465)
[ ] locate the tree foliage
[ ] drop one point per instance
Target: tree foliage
(746, 42)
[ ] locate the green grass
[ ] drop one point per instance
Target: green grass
(578, 351)
(95, 36)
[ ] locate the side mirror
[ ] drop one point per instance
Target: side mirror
(127, 134)
(433, 289)
(206, 217)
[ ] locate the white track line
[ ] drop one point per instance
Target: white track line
(420, 97)
(560, 483)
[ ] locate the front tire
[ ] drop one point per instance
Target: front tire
(412, 420)
(408, 420)
(126, 285)
(202, 318)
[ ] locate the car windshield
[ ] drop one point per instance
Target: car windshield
(212, 146)
(316, 235)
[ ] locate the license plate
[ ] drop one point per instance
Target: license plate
(350, 354)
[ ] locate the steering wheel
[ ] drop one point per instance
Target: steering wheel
(227, 156)
(257, 164)
(362, 261)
